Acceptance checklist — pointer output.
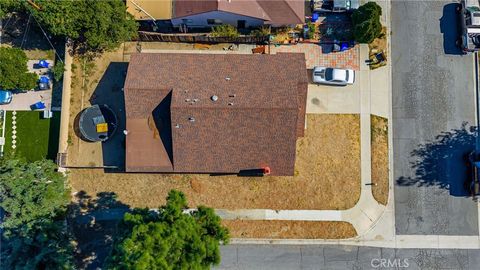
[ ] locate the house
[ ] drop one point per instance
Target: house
(147, 10)
(214, 113)
(239, 13)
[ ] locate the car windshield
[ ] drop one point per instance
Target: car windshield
(329, 74)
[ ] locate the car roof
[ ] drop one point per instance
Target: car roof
(339, 74)
(4, 94)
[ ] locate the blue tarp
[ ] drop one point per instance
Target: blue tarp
(44, 79)
(43, 64)
(38, 106)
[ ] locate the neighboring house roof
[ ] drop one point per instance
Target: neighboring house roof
(276, 12)
(158, 9)
(174, 124)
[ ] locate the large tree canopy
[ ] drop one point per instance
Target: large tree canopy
(7, 6)
(34, 199)
(31, 192)
(169, 238)
(92, 25)
(366, 22)
(13, 70)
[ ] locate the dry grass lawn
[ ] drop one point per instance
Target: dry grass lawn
(282, 229)
(379, 45)
(327, 176)
(380, 158)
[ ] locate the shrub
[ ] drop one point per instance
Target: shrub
(224, 30)
(366, 22)
(57, 71)
(261, 32)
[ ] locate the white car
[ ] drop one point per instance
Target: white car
(333, 76)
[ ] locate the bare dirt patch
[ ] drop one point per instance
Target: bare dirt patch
(327, 176)
(380, 159)
(283, 229)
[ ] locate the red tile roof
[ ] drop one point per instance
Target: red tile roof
(256, 117)
(276, 12)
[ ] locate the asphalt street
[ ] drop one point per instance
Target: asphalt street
(304, 257)
(433, 112)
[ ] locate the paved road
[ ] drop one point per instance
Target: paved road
(433, 94)
(344, 257)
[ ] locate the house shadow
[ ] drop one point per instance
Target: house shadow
(449, 29)
(109, 92)
(335, 28)
(93, 222)
(162, 118)
(443, 162)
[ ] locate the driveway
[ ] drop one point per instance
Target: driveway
(333, 99)
(315, 55)
(433, 111)
(23, 101)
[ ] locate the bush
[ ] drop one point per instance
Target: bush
(366, 22)
(224, 30)
(261, 32)
(311, 30)
(57, 71)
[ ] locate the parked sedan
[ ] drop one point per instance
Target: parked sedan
(333, 76)
(5, 97)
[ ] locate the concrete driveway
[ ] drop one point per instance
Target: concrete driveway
(433, 110)
(333, 99)
(23, 101)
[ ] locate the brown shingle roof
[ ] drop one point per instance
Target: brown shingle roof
(254, 122)
(276, 12)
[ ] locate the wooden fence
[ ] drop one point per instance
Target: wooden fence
(197, 38)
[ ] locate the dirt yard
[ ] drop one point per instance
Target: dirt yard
(281, 229)
(327, 176)
(380, 158)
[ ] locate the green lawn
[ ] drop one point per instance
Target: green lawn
(37, 138)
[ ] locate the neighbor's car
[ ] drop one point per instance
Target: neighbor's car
(333, 76)
(5, 97)
(334, 5)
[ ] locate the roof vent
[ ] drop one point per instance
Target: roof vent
(196, 100)
(227, 78)
(191, 119)
(233, 95)
(214, 98)
(177, 126)
(230, 103)
(187, 100)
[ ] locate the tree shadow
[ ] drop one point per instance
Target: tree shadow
(449, 28)
(93, 221)
(23, 32)
(444, 162)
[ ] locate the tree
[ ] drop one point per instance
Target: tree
(169, 238)
(31, 192)
(13, 70)
(224, 30)
(94, 26)
(46, 245)
(366, 22)
(7, 6)
(34, 199)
